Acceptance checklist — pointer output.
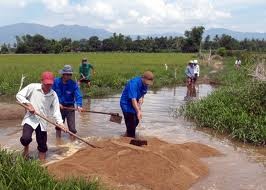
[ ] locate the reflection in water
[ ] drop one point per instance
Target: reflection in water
(242, 167)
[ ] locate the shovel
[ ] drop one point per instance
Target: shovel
(69, 132)
(115, 117)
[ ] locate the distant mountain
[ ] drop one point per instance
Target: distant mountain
(237, 35)
(75, 32)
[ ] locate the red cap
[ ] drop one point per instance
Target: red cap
(47, 77)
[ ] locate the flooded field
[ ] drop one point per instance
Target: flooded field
(242, 166)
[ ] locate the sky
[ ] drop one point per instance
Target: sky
(139, 16)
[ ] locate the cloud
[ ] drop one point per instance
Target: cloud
(137, 16)
(119, 15)
(15, 3)
(57, 6)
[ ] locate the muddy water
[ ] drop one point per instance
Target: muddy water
(242, 166)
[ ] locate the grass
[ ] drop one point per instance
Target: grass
(237, 108)
(18, 174)
(112, 69)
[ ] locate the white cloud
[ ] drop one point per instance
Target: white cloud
(15, 3)
(57, 6)
(133, 13)
(137, 16)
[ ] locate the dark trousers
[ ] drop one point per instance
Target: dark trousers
(132, 122)
(195, 77)
(69, 115)
(41, 137)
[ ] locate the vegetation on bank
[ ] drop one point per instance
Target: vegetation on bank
(16, 173)
(112, 69)
(237, 107)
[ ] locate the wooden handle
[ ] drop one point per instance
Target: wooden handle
(106, 113)
(69, 132)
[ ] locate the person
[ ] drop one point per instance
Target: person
(131, 100)
(69, 94)
(237, 63)
(42, 99)
(196, 70)
(85, 72)
(190, 78)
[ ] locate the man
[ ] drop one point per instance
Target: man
(196, 70)
(190, 78)
(42, 99)
(237, 63)
(85, 72)
(69, 94)
(132, 99)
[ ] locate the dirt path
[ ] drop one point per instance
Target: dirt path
(159, 165)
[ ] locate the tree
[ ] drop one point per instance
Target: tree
(215, 42)
(207, 43)
(107, 45)
(193, 39)
(228, 42)
(128, 43)
(75, 46)
(66, 44)
(94, 43)
(221, 51)
(39, 44)
(4, 49)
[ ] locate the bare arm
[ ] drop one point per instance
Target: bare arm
(137, 108)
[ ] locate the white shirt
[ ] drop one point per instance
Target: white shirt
(44, 104)
(197, 70)
(189, 71)
(238, 62)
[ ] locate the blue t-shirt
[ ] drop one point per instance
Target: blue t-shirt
(68, 93)
(134, 89)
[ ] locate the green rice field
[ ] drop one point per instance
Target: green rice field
(112, 69)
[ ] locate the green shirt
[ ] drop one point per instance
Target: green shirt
(84, 70)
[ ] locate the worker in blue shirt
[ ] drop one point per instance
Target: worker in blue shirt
(69, 94)
(132, 99)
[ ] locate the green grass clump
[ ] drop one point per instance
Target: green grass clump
(18, 174)
(113, 70)
(241, 112)
(238, 107)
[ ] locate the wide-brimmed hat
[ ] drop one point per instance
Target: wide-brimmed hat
(66, 70)
(196, 61)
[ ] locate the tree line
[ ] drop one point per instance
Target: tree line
(192, 41)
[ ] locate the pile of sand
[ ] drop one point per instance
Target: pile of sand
(159, 165)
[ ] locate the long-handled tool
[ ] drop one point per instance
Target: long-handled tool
(115, 117)
(69, 132)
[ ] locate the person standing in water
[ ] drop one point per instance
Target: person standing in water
(190, 76)
(42, 99)
(196, 73)
(69, 94)
(131, 100)
(85, 72)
